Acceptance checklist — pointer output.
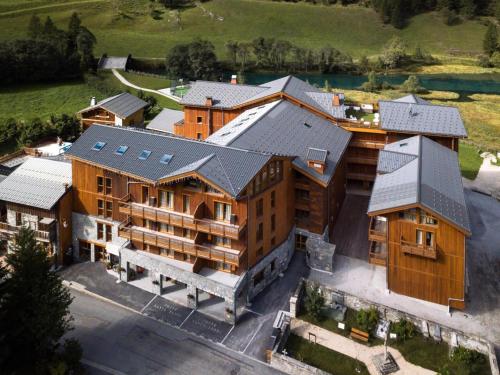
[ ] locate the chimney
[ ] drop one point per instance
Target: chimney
(234, 79)
(338, 99)
(92, 101)
(208, 101)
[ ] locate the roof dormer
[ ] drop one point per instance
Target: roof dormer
(316, 159)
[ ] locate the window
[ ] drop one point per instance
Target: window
(100, 184)
(273, 241)
(260, 232)
(410, 215)
(257, 184)
(260, 207)
(272, 171)
(300, 242)
(226, 267)
(427, 220)
(108, 186)
(273, 199)
(109, 235)
(100, 207)
(273, 222)
(187, 257)
(168, 252)
(279, 169)
(144, 154)
(260, 252)
(186, 233)
(425, 238)
(199, 120)
(19, 219)
(99, 146)
(429, 239)
(301, 194)
(185, 203)
(145, 194)
(199, 136)
(166, 228)
(301, 214)
(121, 150)
(221, 241)
(211, 189)
(109, 209)
(100, 231)
(167, 199)
(222, 211)
(165, 159)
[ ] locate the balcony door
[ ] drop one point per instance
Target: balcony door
(145, 194)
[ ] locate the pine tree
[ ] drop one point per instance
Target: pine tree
(490, 41)
(74, 26)
(397, 18)
(34, 309)
(469, 9)
(34, 27)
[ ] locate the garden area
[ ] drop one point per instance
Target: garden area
(415, 348)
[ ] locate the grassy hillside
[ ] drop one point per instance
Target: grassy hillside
(130, 28)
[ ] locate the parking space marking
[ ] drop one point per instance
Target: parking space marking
(225, 337)
(187, 317)
(149, 303)
(253, 337)
(255, 312)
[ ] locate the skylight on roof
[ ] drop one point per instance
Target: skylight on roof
(165, 159)
(403, 144)
(121, 150)
(99, 146)
(144, 154)
(224, 134)
(307, 125)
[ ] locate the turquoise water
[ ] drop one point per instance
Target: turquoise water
(461, 83)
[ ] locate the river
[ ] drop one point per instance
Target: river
(461, 83)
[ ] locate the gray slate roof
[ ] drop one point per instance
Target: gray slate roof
(418, 170)
(165, 120)
(283, 128)
(417, 118)
(316, 154)
(226, 95)
(36, 183)
(226, 167)
(412, 98)
(122, 105)
(113, 62)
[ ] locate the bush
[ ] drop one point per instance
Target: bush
(314, 301)
(367, 319)
(466, 356)
(404, 329)
(412, 85)
(484, 61)
(72, 355)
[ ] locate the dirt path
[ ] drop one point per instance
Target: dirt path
(48, 6)
(123, 80)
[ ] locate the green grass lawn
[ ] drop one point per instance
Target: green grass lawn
(470, 161)
(130, 28)
(323, 358)
(435, 356)
(147, 81)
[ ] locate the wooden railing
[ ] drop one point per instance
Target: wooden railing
(416, 249)
(217, 228)
(367, 160)
(40, 235)
(351, 123)
(377, 230)
(366, 144)
(166, 241)
(378, 257)
(361, 176)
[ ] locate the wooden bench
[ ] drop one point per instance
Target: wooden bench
(359, 335)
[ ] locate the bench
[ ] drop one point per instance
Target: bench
(359, 335)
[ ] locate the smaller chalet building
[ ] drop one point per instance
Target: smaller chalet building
(38, 195)
(419, 221)
(121, 110)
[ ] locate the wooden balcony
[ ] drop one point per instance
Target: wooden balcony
(378, 253)
(367, 144)
(9, 231)
(377, 230)
(180, 244)
(360, 176)
(412, 248)
(214, 227)
(351, 123)
(365, 160)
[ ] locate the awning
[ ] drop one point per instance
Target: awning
(47, 220)
(112, 248)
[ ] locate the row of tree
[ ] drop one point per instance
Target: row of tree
(49, 53)
(34, 314)
(26, 133)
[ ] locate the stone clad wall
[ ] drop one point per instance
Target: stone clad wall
(291, 366)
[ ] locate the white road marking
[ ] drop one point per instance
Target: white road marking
(145, 307)
(225, 337)
(253, 337)
(187, 317)
(98, 366)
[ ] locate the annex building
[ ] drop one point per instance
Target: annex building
(219, 199)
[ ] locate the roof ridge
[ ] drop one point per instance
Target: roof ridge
(419, 173)
(288, 79)
(422, 104)
(231, 84)
(225, 174)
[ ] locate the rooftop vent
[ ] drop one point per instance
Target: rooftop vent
(165, 159)
(99, 146)
(403, 144)
(144, 154)
(234, 79)
(121, 150)
(209, 101)
(307, 125)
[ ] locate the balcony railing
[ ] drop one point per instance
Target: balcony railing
(352, 123)
(377, 230)
(217, 228)
(366, 144)
(378, 253)
(11, 230)
(360, 176)
(417, 249)
(365, 160)
(186, 246)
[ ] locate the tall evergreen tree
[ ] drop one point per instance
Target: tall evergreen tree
(397, 17)
(34, 310)
(35, 27)
(490, 41)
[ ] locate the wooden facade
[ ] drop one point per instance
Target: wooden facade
(101, 116)
(424, 255)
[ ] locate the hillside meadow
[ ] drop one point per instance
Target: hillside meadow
(127, 26)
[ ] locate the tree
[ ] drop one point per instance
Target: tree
(490, 41)
(314, 301)
(34, 309)
(243, 53)
(495, 59)
(367, 319)
(261, 49)
(8, 131)
(35, 27)
(195, 60)
(393, 53)
(372, 84)
(85, 42)
(468, 9)
(412, 85)
(397, 16)
(74, 25)
(232, 51)
(364, 64)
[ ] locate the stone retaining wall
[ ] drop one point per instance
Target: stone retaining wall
(291, 366)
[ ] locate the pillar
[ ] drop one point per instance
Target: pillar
(192, 297)
(230, 310)
(92, 252)
(156, 279)
(124, 269)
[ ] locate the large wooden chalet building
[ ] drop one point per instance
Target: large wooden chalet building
(252, 172)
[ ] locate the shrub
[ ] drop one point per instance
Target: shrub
(367, 319)
(466, 356)
(404, 329)
(314, 301)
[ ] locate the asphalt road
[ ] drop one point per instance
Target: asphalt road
(119, 341)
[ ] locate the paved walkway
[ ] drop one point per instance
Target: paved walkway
(123, 80)
(487, 179)
(353, 349)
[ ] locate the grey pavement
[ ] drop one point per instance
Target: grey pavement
(118, 341)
